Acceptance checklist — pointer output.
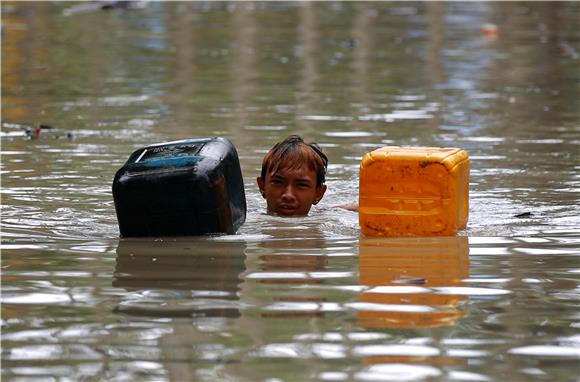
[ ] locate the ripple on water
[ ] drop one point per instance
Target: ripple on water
(335, 336)
(397, 115)
(351, 134)
(327, 118)
(396, 350)
(376, 307)
(397, 372)
(547, 351)
(469, 291)
(458, 375)
(53, 352)
(36, 298)
(547, 251)
(333, 376)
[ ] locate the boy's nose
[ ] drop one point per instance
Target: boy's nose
(288, 195)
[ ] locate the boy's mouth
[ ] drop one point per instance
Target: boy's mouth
(287, 209)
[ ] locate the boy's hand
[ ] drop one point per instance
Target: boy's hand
(349, 206)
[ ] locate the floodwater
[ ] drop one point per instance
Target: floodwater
(291, 299)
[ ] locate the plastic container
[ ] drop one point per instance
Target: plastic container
(414, 191)
(183, 188)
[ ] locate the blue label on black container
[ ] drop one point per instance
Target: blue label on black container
(156, 153)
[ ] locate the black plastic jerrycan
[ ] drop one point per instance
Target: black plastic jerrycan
(182, 188)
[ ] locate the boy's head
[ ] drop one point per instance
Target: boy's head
(292, 178)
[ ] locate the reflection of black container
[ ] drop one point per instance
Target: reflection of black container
(182, 188)
(196, 264)
(191, 277)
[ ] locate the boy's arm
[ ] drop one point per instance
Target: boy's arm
(349, 206)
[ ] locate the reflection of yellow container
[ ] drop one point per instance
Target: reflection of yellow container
(422, 191)
(397, 262)
(438, 261)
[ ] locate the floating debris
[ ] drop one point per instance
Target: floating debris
(94, 6)
(568, 51)
(42, 130)
(490, 31)
(524, 215)
(410, 280)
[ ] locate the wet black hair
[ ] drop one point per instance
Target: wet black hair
(292, 153)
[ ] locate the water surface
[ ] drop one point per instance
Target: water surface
(291, 299)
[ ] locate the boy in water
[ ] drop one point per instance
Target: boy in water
(292, 178)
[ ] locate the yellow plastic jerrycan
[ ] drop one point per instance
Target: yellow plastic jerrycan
(414, 191)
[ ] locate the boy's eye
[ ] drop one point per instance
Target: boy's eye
(303, 184)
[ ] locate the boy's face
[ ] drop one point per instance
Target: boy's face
(291, 192)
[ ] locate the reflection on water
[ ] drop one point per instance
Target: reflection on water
(290, 299)
(179, 278)
(416, 277)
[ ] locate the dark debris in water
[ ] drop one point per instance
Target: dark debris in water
(41, 132)
(93, 6)
(410, 280)
(524, 215)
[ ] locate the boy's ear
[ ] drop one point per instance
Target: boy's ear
(320, 190)
(261, 186)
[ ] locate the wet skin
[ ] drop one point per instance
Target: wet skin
(291, 192)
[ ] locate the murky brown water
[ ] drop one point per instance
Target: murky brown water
(291, 299)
